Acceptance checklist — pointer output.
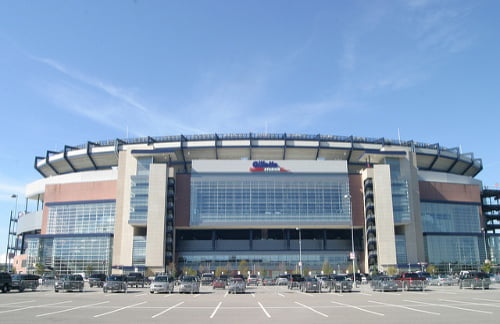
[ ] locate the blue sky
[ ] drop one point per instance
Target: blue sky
(78, 71)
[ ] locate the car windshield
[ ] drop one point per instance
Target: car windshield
(115, 278)
(161, 279)
(189, 279)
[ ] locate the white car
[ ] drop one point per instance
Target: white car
(162, 284)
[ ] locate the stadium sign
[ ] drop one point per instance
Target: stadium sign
(266, 166)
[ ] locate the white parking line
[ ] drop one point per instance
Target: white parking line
(449, 306)
(168, 309)
(358, 308)
(281, 295)
(490, 300)
(405, 307)
(119, 309)
(469, 303)
(215, 310)
(312, 309)
(34, 306)
(23, 302)
(140, 295)
(70, 309)
(264, 310)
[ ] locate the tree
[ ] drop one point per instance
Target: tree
(188, 271)
(486, 267)
(431, 269)
(243, 267)
(172, 269)
(327, 268)
(391, 271)
(39, 268)
(88, 270)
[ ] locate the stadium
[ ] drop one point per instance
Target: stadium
(279, 202)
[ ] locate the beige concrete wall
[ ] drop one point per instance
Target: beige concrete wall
(124, 233)
(155, 244)
(384, 218)
(415, 249)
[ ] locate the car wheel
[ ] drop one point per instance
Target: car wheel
(21, 289)
(56, 290)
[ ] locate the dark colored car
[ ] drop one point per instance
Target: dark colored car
(136, 279)
(310, 285)
(295, 280)
(25, 281)
(474, 279)
(97, 279)
(69, 283)
(5, 281)
(115, 283)
(340, 283)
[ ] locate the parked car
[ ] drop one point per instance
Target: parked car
(411, 280)
(97, 279)
(47, 279)
(384, 283)
(253, 280)
(236, 286)
(162, 284)
(474, 279)
(5, 281)
(116, 283)
(310, 285)
(322, 280)
(340, 283)
(268, 281)
(70, 282)
(189, 284)
(219, 283)
(442, 280)
(25, 281)
(282, 280)
(207, 278)
(295, 280)
(136, 279)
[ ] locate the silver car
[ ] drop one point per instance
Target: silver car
(237, 285)
(384, 283)
(162, 284)
(189, 284)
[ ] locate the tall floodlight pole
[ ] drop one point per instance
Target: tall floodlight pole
(352, 254)
(300, 250)
(12, 217)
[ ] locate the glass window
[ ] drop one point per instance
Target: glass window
(81, 218)
(240, 199)
(450, 217)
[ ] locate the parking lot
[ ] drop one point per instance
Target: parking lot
(270, 304)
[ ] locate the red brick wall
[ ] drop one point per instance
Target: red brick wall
(71, 192)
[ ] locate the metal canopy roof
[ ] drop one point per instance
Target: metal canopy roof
(180, 150)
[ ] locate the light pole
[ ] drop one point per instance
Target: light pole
(352, 254)
(300, 249)
(9, 241)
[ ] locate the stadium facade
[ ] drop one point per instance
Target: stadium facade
(280, 202)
